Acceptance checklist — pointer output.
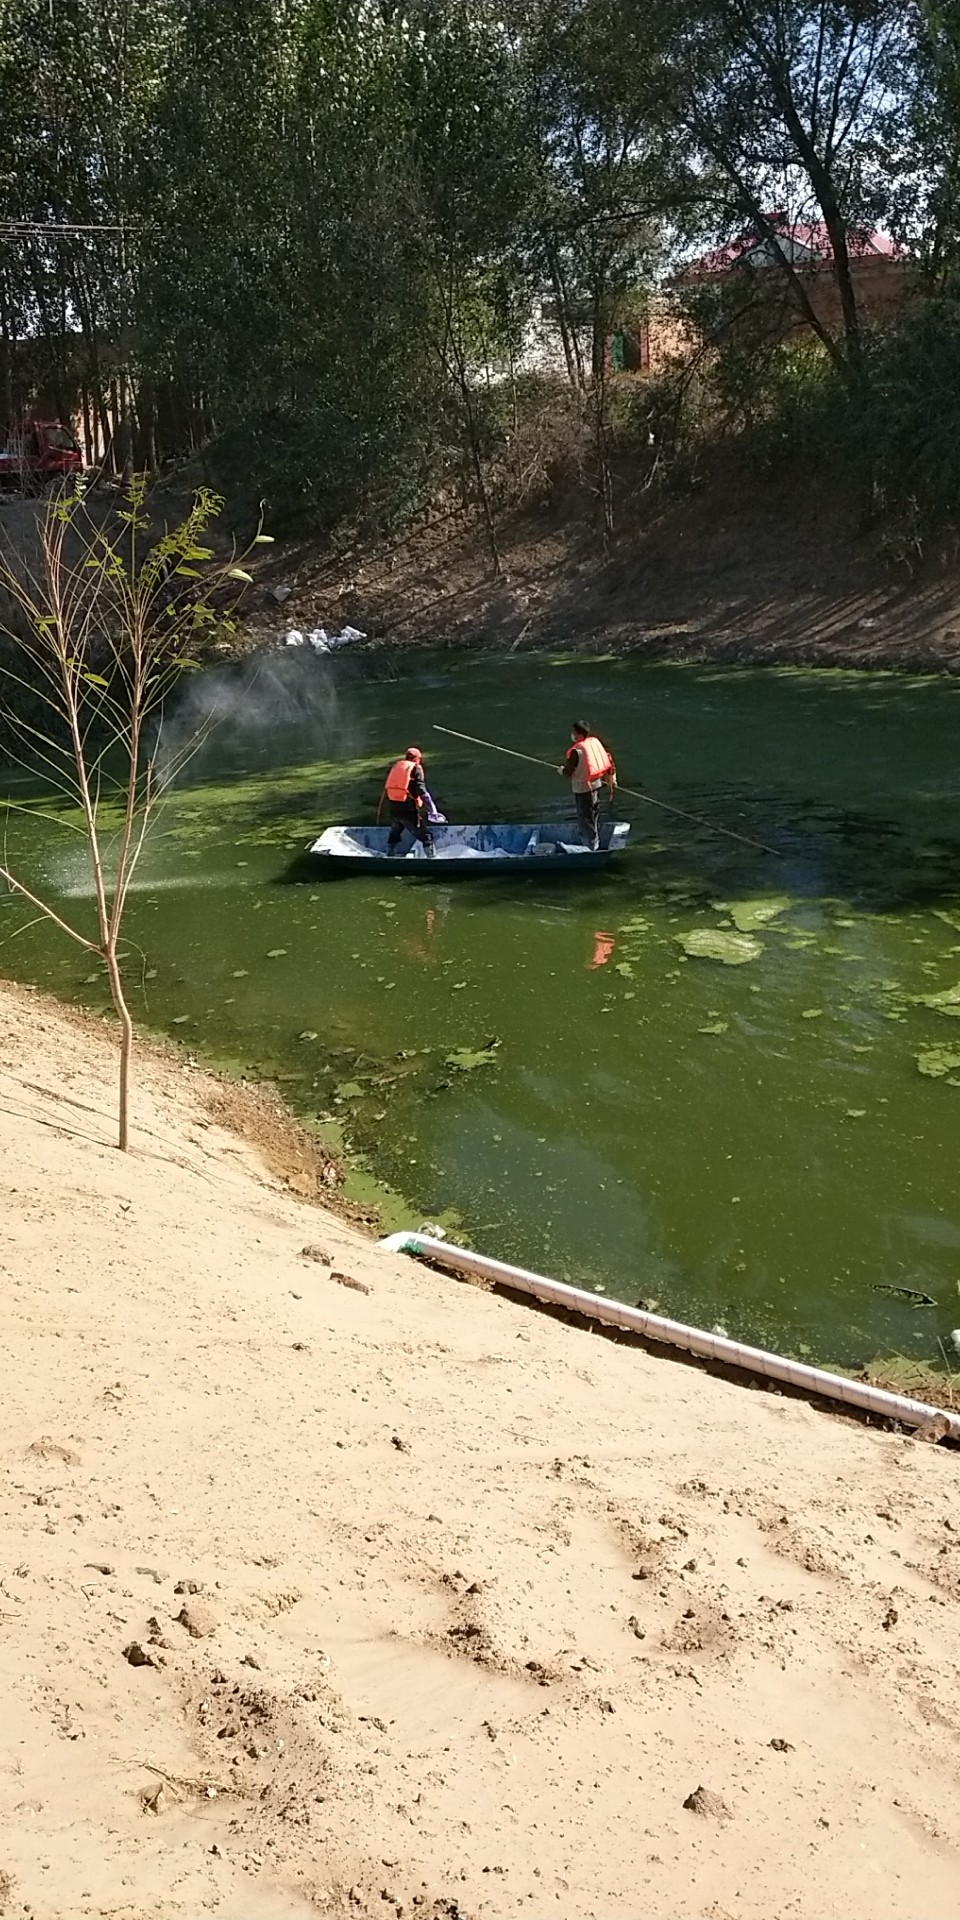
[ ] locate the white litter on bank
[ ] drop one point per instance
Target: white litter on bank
(323, 642)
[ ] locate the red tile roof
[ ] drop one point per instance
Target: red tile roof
(807, 243)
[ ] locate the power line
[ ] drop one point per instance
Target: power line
(67, 227)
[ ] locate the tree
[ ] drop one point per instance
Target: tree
(100, 627)
(928, 203)
(78, 85)
(790, 109)
(212, 313)
(462, 184)
(284, 287)
(604, 185)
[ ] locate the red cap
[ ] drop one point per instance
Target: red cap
(413, 753)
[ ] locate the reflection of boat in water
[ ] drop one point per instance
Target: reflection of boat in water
(467, 851)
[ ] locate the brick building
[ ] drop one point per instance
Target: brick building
(881, 271)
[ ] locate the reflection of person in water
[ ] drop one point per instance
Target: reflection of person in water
(604, 946)
(421, 946)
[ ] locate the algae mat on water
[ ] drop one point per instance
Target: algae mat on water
(749, 916)
(712, 943)
(707, 1085)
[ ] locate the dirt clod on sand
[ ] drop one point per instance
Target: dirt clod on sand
(51, 1451)
(198, 1619)
(347, 1280)
(710, 1806)
(934, 1430)
(137, 1656)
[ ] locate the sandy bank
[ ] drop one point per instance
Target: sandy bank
(481, 1599)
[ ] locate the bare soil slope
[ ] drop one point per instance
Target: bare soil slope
(330, 1586)
(749, 568)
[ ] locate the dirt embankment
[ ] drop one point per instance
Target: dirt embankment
(747, 568)
(329, 1586)
(765, 570)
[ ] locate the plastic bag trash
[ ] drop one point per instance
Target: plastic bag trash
(323, 642)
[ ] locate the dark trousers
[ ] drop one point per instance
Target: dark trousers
(405, 817)
(588, 818)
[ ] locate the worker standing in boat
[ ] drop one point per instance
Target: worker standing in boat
(588, 766)
(406, 791)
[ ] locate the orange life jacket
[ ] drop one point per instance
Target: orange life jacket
(596, 763)
(399, 778)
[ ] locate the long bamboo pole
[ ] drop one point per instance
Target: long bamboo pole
(647, 798)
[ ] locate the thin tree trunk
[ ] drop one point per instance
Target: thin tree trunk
(515, 411)
(824, 187)
(87, 424)
(453, 360)
(103, 423)
(598, 334)
(604, 470)
(53, 343)
(115, 417)
(9, 349)
(560, 298)
(598, 357)
(569, 321)
(126, 1048)
(483, 490)
(88, 322)
(146, 415)
(829, 204)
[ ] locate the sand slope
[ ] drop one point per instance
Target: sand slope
(488, 1599)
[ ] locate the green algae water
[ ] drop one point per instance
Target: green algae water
(707, 1078)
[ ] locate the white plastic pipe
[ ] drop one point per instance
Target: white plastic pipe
(709, 1346)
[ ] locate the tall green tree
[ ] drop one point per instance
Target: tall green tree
(603, 183)
(79, 82)
(789, 109)
(462, 184)
(928, 204)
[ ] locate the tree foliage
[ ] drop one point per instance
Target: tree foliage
(310, 239)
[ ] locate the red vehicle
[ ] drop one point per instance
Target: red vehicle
(37, 453)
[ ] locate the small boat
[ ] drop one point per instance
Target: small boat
(546, 848)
